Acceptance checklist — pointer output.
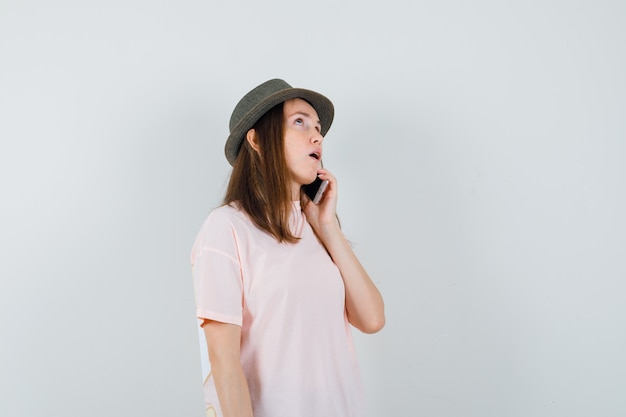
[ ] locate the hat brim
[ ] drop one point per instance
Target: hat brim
(322, 105)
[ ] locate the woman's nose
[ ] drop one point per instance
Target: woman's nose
(317, 138)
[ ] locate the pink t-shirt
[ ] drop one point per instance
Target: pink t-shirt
(296, 342)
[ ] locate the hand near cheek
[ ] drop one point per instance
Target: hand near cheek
(322, 215)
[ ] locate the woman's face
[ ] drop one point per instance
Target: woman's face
(303, 142)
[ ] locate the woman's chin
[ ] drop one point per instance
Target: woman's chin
(307, 179)
(311, 179)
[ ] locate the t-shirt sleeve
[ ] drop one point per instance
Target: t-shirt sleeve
(217, 279)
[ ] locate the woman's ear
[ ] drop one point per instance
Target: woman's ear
(252, 139)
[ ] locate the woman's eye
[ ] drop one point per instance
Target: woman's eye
(299, 121)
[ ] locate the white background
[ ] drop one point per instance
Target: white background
(480, 150)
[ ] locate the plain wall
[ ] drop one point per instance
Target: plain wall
(479, 148)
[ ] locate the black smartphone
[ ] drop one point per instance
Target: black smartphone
(315, 190)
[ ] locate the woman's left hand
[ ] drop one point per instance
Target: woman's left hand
(324, 214)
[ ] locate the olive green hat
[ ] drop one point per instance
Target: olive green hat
(261, 99)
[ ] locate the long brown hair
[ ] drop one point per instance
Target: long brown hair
(260, 181)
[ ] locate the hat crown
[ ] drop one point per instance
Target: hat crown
(254, 98)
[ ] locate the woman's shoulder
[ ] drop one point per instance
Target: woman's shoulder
(225, 213)
(225, 210)
(219, 228)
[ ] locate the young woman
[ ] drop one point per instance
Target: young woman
(276, 283)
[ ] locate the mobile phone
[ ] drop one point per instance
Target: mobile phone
(315, 190)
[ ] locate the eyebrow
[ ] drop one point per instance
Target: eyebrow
(305, 115)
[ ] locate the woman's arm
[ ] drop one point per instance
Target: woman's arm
(223, 341)
(364, 303)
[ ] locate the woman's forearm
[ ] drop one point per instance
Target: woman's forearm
(364, 303)
(223, 342)
(232, 389)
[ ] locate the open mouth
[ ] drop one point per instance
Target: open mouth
(315, 156)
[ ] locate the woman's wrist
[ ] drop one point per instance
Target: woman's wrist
(330, 232)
